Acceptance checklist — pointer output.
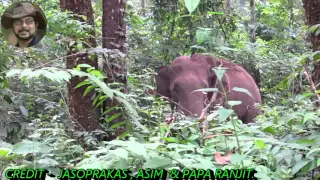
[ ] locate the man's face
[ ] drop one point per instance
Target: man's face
(25, 28)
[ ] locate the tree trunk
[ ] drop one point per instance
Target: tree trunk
(81, 108)
(312, 9)
(252, 22)
(113, 34)
(255, 72)
(229, 6)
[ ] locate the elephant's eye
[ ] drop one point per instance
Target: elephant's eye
(176, 88)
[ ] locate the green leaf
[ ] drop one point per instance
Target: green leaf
(213, 12)
(317, 32)
(157, 162)
(137, 148)
(202, 36)
(118, 124)
(84, 66)
(262, 175)
(220, 72)
(26, 147)
(105, 89)
(96, 73)
(313, 28)
(224, 114)
(77, 73)
(26, 72)
(316, 151)
(309, 116)
(113, 117)
(306, 142)
(242, 90)
(234, 103)
(13, 72)
(95, 163)
(259, 143)
(120, 153)
(152, 146)
(299, 165)
(191, 5)
(170, 139)
(121, 164)
(269, 129)
(316, 55)
(212, 115)
(61, 75)
(88, 89)
(48, 162)
(5, 151)
(109, 110)
(84, 17)
(207, 90)
(272, 162)
(237, 158)
(193, 137)
(95, 100)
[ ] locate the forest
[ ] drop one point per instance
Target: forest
(95, 84)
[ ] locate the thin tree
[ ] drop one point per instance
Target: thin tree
(81, 108)
(114, 35)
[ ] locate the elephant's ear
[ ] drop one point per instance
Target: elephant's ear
(163, 81)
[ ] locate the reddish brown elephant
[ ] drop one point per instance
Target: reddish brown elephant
(179, 81)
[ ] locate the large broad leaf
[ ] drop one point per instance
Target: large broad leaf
(157, 162)
(137, 148)
(48, 162)
(269, 129)
(191, 5)
(95, 163)
(26, 147)
(61, 76)
(202, 35)
(237, 158)
(299, 165)
(224, 114)
(242, 90)
(13, 72)
(121, 153)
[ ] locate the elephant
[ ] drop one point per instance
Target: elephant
(178, 82)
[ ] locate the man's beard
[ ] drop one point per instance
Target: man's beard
(31, 35)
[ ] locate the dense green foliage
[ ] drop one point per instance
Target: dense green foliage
(35, 126)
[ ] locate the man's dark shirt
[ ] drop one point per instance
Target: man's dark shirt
(34, 41)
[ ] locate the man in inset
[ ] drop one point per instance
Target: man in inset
(27, 21)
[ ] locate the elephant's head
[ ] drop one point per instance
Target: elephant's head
(179, 81)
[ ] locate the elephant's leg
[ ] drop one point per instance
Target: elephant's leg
(252, 113)
(171, 118)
